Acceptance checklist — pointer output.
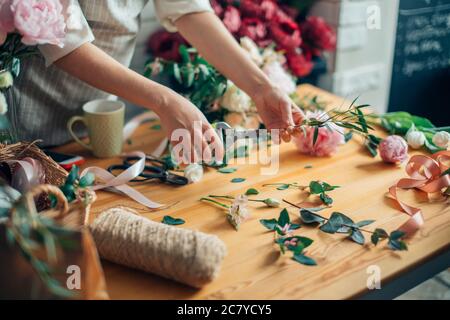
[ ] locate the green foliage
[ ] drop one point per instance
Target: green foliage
(73, 183)
(238, 180)
(252, 192)
(280, 223)
(173, 221)
(194, 78)
(321, 188)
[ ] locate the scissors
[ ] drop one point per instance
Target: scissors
(154, 169)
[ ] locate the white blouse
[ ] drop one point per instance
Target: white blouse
(79, 32)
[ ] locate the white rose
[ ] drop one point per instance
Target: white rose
(252, 50)
(6, 79)
(416, 139)
(442, 139)
(235, 99)
(194, 173)
(280, 77)
(3, 104)
(269, 55)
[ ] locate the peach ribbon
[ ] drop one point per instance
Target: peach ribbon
(425, 174)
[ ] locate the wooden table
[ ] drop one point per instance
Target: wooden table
(253, 268)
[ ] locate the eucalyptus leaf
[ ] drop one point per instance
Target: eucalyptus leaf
(357, 237)
(364, 223)
(87, 180)
(304, 260)
(310, 217)
(172, 221)
(284, 218)
(270, 224)
(315, 187)
(326, 199)
(238, 180)
(252, 192)
(227, 170)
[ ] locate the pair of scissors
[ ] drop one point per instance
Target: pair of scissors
(154, 169)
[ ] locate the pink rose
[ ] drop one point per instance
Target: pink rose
(327, 142)
(232, 19)
(300, 64)
(394, 149)
(256, 30)
(6, 20)
(39, 21)
(318, 34)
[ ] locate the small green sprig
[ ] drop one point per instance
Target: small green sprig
(339, 223)
(283, 227)
(172, 221)
(74, 183)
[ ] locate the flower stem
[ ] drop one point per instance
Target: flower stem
(221, 197)
(215, 202)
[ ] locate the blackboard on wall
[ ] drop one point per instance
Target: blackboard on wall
(421, 69)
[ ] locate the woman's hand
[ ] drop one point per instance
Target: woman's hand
(278, 111)
(204, 144)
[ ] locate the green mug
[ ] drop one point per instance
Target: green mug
(104, 120)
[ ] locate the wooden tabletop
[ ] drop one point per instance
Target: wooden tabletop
(253, 268)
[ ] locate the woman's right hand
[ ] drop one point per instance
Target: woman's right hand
(192, 136)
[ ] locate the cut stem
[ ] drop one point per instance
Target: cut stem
(215, 202)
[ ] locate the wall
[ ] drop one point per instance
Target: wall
(362, 63)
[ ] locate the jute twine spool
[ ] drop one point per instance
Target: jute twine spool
(187, 256)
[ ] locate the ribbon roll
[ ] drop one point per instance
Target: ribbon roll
(425, 174)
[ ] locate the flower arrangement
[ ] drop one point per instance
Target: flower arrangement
(267, 23)
(24, 24)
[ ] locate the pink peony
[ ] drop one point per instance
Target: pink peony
(327, 142)
(318, 34)
(394, 149)
(6, 20)
(300, 64)
(39, 21)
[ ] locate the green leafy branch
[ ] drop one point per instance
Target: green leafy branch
(339, 223)
(283, 228)
(74, 183)
(319, 188)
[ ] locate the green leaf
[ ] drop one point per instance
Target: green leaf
(379, 234)
(177, 73)
(316, 135)
(397, 245)
(357, 236)
(172, 221)
(396, 235)
(156, 127)
(337, 223)
(87, 180)
(284, 218)
(364, 223)
(283, 187)
(327, 187)
(315, 187)
(238, 180)
(252, 192)
(269, 224)
(185, 57)
(73, 175)
(326, 199)
(310, 217)
(348, 136)
(227, 170)
(302, 259)
(295, 226)
(15, 68)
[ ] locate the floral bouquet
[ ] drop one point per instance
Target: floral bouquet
(24, 24)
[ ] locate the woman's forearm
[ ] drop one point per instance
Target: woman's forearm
(207, 33)
(93, 66)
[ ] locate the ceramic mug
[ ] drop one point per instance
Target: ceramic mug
(104, 120)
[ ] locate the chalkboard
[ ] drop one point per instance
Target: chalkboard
(421, 69)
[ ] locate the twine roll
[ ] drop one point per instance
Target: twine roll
(187, 256)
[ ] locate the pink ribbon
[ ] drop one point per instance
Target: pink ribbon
(28, 174)
(425, 174)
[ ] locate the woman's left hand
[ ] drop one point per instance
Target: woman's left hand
(278, 111)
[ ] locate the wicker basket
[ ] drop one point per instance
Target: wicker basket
(54, 173)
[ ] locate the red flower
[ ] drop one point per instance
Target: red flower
(218, 10)
(163, 44)
(300, 64)
(255, 29)
(286, 34)
(262, 9)
(318, 34)
(232, 19)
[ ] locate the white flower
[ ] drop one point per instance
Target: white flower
(416, 139)
(270, 55)
(235, 99)
(6, 79)
(194, 173)
(3, 104)
(280, 77)
(74, 17)
(238, 211)
(252, 50)
(442, 139)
